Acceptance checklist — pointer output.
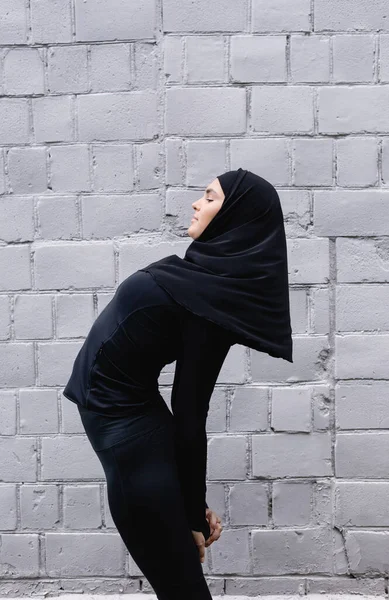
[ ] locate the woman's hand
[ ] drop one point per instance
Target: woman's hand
(200, 543)
(215, 526)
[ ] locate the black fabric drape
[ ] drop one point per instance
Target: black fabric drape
(236, 272)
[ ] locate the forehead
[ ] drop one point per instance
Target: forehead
(214, 187)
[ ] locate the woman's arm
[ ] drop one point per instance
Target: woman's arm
(204, 349)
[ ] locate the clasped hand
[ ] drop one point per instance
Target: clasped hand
(215, 527)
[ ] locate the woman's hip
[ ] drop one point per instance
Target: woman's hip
(105, 431)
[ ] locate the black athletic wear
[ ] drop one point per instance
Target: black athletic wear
(146, 501)
(115, 375)
(235, 273)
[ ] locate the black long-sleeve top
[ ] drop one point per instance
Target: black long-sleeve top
(116, 372)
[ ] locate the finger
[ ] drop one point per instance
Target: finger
(215, 535)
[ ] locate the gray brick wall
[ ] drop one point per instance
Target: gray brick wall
(114, 115)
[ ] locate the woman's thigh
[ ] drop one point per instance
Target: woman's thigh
(147, 507)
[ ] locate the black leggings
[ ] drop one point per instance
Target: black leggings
(145, 499)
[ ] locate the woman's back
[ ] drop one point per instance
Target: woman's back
(139, 332)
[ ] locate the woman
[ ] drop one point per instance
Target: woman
(231, 287)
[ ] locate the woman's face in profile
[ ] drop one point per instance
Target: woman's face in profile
(206, 208)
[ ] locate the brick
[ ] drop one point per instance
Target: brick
(357, 162)
(354, 500)
(110, 216)
(349, 109)
(146, 60)
(110, 67)
(232, 554)
(127, 20)
(150, 168)
(54, 266)
(384, 55)
(120, 116)
(310, 58)
(353, 58)
(258, 58)
(264, 155)
(8, 515)
(282, 109)
(362, 308)
(362, 260)
(18, 460)
(51, 21)
(316, 270)
(27, 170)
(196, 111)
(351, 212)
(82, 507)
(204, 16)
(38, 411)
(296, 207)
(71, 421)
(15, 267)
(16, 219)
(321, 403)
(57, 217)
(298, 310)
(13, 22)
(310, 355)
(277, 16)
(227, 457)
(78, 554)
(320, 310)
(249, 408)
(74, 315)
(363, 17)
(285, 455)
(67, 70)
(362, 356)
(217, 414)
(39, 506)
(173, 58)
(291, 409)
(70, 168)
(55, 360)
(113, 168)
(7, 413)
(23, 71)
(248, 504)
(41, 327)
(204, 159)
(372, 546)
(371, 399)
(312, 162)
(291, 503)
(15, 128)
(205, 59)
(5, 318)
(362, 455)
(17, 361)
(19, 555)
(179, 204)
(285, 551)
(385, 161)
(2, 177)
(69, 457)
(52, 116)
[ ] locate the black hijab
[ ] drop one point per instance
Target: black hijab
(235, 273)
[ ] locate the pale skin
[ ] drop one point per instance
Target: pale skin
(205, 209)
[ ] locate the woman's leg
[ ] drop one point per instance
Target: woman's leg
(147, 507)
